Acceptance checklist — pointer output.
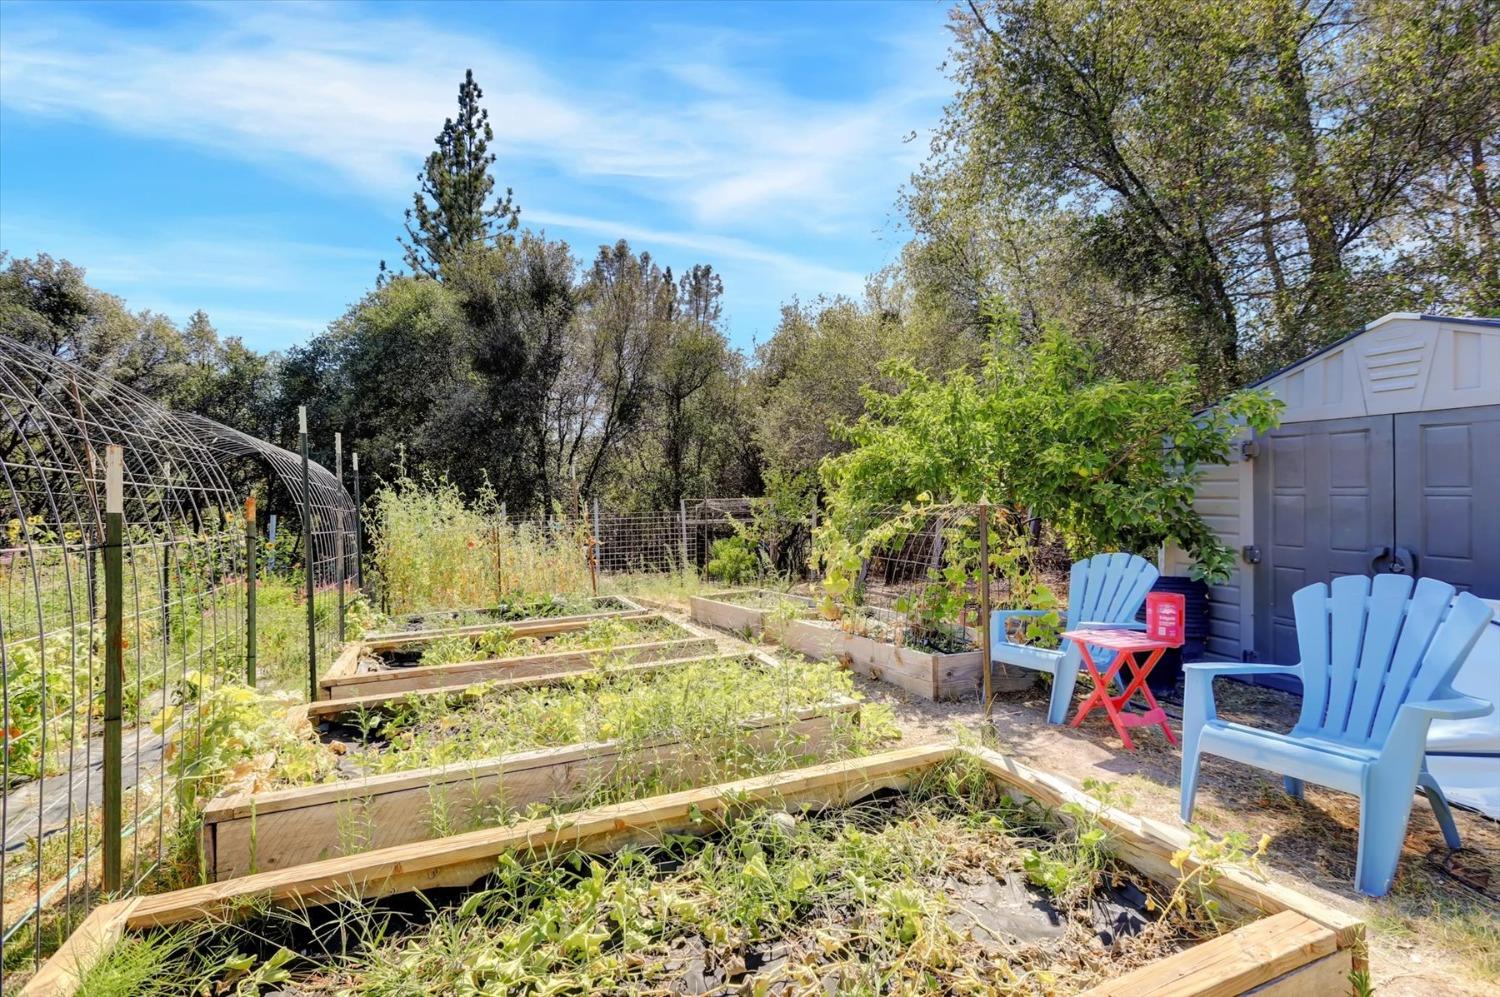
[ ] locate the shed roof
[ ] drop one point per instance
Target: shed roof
(1386, 319)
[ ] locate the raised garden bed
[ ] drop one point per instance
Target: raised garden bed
(431, 766)
(918, 870)
(746, 611)
(929, 674)
(516, 611)
(392, 666)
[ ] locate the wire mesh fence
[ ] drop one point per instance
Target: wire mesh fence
(97, 761)
(918, 576)
(436, 554)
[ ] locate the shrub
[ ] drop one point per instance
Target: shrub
(732, 561)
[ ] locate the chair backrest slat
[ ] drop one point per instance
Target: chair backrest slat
(1463, 619)
(1108, 588)
(1310, 607)
(1389, 600)
(1347, 603)
(1095, 568)
(1370, 646)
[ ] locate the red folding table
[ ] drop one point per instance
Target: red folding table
(1126, 644)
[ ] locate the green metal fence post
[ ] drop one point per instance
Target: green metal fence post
(114, 663)
(359, 530)
(252, 570)
(984, 602)
(307, 559)
(338, 550)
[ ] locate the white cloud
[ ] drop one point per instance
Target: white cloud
(685, 141)
(717, 248)
(360, 93)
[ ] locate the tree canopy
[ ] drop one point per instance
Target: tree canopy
(1152, 202)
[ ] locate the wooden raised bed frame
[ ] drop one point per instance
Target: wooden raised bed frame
(715, 610)
(257, 832)
(924, 673)
(1297, 946)
(344, 681)
(930, 675)
(629, 607)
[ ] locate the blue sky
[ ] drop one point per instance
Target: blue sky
(255, 160)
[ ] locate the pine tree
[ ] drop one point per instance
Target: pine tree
(452, 210)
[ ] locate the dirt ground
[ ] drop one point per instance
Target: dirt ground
(1436, 934)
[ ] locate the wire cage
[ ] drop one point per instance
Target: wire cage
(276, 473)
(913, 575)
(783, 541)
(183, 624)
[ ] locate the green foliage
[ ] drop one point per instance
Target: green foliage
(33, 692)
(432, 548)
(701, 701)
(224, 725)
(1213, 183)
(732, 561)
(1109, 464)
(451, 213)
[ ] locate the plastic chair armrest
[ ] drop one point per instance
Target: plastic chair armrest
(1452, 708)
(1214, 669)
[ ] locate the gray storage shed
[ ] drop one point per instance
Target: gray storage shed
(1387, 459)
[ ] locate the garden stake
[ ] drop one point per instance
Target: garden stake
(114, 661)
(359, 540)
(984, 601)
(307, 559)
(338, 551)
(250, 580)
(594, 551)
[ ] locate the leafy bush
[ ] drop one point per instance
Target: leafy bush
(434, 550)
(731, 560)
(1109, 464)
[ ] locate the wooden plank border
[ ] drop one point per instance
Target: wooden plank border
(422, 677)
(256, 832)
(324, 708)
(627, 606)
(540, 627)
(713, 609)
(463, 859)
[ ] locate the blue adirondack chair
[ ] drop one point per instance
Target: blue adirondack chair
(1105, 590)
(1377, 660)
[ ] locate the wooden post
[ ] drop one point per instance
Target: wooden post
(114, 663)
(682, 519)
(338, 550)
(307, 558)
(359, 530)
(500, 526)
(594, 551)
(984, 600)
(252, 570)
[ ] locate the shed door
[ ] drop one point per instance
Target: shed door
(1448, 495)
(1324, 508)
(1416, 492)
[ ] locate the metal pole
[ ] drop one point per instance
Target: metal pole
(114, 662)
(500, 555)
(594, 550)
(252, 569)
(307, 559)
(599, 535)
(338, 555)
(359, 529)
(984, 601)
(682, 521)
